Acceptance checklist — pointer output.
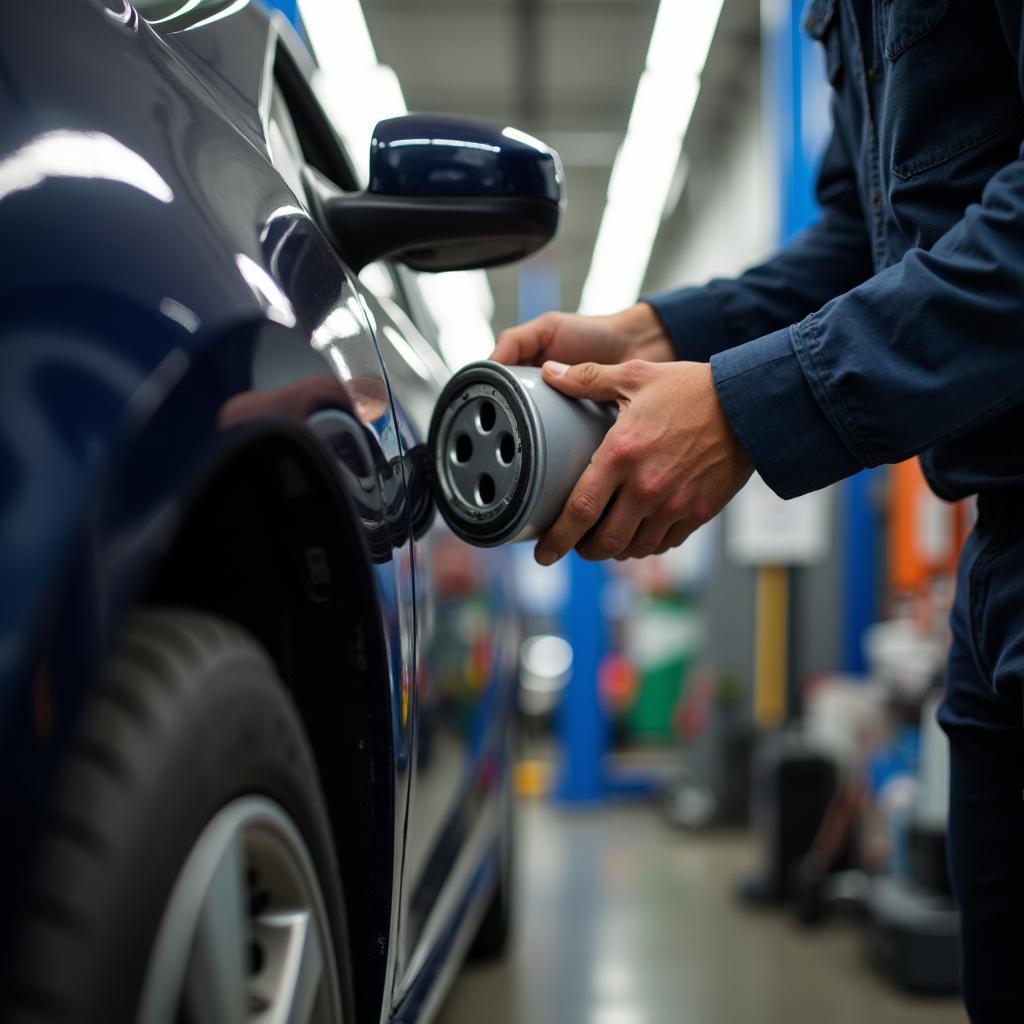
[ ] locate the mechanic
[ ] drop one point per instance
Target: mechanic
(893, 327)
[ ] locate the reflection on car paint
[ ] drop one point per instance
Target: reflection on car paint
(467, 639)
(175, 302)
(73, 154)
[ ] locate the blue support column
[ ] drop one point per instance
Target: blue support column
(860, 567)
(583, 725)
(289, 8)
(796, 111)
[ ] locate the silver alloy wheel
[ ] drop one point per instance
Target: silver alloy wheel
(245, 937)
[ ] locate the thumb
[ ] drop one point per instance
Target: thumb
(587, 380)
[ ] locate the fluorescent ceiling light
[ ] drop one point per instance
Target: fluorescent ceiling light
(353, 87)
(338, 34)
(462, 305)
(682, 35)
(357, 91)
(663, 106)
(645, 167)
(379, 96)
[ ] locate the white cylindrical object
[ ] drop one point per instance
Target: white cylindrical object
(933, 799)
(508, 450)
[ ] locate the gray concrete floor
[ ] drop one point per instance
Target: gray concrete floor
(623, 921)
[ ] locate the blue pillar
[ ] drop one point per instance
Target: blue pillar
(796, 106)
(583, 725)
(289, 8)
(796, 112)
(860, 567)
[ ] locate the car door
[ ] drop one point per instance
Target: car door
(467, 639)
(451, 632)
(458, 680)
(330, 311)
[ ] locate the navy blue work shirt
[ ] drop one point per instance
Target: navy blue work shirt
(895, 325)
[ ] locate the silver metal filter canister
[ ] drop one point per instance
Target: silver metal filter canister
(508, 450)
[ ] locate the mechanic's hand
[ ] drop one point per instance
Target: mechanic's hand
(635, 333)
(669, 464)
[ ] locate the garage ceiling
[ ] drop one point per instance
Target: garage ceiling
(563, 70)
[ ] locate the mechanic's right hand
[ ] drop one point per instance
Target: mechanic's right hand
(635, 333)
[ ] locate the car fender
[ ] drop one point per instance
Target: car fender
(106, 449)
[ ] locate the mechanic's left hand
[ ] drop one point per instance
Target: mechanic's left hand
(669, 464)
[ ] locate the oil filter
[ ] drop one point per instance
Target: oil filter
(508, 450)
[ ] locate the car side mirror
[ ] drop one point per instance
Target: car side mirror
(446, 193)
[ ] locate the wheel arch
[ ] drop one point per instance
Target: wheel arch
(270, 540)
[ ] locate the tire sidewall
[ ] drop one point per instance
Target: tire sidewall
(230, 733)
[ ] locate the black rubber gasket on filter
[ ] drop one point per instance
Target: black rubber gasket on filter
(488, 532)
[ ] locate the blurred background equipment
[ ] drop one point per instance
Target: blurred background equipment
(545, 663)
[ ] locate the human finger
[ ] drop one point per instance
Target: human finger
(583, 508)
(675, 536)
(648, 539)
(615, 532)
(603, 383)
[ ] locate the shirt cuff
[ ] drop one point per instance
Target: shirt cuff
(694, 322)
(775, 417)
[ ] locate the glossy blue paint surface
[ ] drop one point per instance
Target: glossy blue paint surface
(166, 302)
(442, 155)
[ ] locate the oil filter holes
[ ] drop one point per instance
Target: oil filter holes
(506, 449)
(478, 455)
(463, 448)
(485, 489)
(487, 417)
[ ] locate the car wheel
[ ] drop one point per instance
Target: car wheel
(492, 938)
(188, 872)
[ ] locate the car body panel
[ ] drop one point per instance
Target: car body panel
(468, 639)
(168, 300)
(96, 352)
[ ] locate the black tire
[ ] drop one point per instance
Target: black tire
(188, 716)
(492, 937)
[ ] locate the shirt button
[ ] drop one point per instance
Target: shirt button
(876, 201)
(872, 74)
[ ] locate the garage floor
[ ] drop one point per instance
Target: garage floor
(623, 921)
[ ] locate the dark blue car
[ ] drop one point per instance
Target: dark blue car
(254, 696)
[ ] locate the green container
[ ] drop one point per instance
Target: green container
(664, 641)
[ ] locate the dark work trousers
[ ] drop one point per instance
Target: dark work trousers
(983, 717)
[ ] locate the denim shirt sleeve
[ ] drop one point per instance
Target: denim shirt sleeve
(921, 354)
(926, 350)
(826, 260)
(776, 417)
(933, 346)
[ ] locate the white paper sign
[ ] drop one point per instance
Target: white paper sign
(762, 529)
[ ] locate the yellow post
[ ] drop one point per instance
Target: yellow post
(771, 646)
